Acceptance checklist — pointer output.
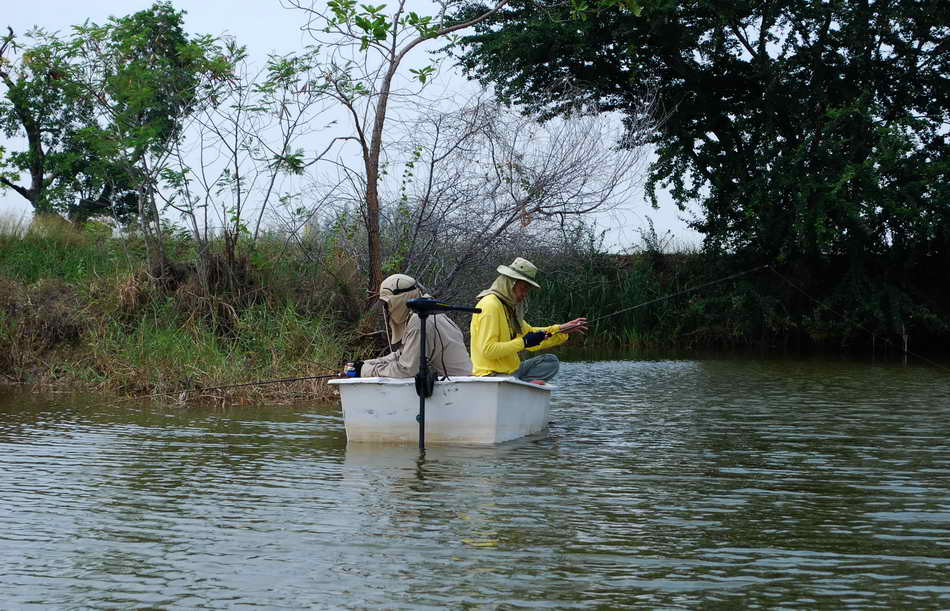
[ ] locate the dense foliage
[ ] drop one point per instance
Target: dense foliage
(95, 103)
(811, 135)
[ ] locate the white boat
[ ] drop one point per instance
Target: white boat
(463, 410)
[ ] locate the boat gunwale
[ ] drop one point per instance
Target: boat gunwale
(451, 380)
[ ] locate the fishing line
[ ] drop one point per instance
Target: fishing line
(258, 383)
(677, 294)
(184, 393)
(858, 325)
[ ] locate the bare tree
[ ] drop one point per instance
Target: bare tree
(486, 174)
(244, 156)
(367, 47)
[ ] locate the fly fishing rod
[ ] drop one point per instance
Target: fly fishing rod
(676, 294)
(258, 383)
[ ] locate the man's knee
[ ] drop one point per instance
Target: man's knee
(544, 366)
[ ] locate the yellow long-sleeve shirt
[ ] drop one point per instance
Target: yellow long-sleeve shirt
(493, 349)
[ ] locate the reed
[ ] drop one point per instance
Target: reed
(643, 300)
(12, 226)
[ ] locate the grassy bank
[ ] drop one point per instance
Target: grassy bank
(79, 310)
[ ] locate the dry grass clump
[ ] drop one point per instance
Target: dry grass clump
(132, 292)
(215, 293)
(35, 320)
(55, 228)
(57, 312)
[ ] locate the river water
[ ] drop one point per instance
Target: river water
(660, 484)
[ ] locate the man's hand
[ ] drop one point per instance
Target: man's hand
(578, 325)
(534, 338)
(352, 369)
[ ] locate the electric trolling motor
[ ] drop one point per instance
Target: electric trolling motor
(425, 379)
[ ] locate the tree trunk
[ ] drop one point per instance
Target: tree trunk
(154, 248)
(372, 231)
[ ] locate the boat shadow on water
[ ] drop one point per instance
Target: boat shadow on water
(375, 467)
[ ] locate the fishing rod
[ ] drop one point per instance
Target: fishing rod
(184, 393)
(677, 294)
(258, 383)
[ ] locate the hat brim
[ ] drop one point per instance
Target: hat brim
(504, 270)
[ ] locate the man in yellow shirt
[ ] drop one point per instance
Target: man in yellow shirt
(500, 332)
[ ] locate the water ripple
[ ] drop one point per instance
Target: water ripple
(673, 484)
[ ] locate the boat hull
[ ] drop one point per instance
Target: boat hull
(465, 410)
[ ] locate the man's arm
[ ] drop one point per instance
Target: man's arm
(555, 338)
(403, 363)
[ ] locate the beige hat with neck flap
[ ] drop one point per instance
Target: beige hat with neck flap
(520, 269)
(396, 290)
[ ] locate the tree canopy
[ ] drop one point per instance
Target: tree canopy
(93, 103)
(803, 130)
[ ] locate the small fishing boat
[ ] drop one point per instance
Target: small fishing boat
(463, 410)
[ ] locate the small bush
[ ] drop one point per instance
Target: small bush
(35, 320)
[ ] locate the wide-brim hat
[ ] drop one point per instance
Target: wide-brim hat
(520, 269)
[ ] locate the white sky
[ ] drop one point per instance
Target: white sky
(263, 26)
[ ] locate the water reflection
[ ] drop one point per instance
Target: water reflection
(659, 484)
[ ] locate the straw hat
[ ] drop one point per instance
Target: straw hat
(520, 269)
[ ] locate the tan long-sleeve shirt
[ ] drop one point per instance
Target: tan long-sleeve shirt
(445, 346)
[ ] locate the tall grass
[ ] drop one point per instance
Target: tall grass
(13, 226)
(616, 292)
(689, 301)
(79, 309)
(51, 247)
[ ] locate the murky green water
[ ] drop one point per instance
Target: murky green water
(677, 484)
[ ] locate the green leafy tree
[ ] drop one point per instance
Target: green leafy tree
(43, 102)
(146, 79)
(804, 130)
(100, 109)
(812, 134)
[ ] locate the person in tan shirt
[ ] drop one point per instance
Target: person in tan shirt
(445, 344)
